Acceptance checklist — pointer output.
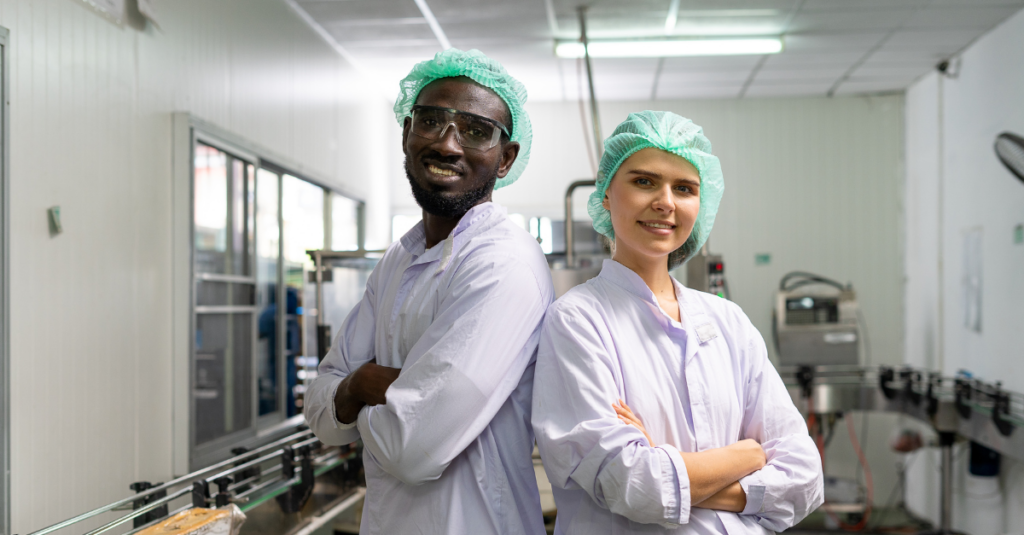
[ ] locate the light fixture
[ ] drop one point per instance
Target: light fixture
(660, 48)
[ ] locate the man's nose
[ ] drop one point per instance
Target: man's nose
(448, 140)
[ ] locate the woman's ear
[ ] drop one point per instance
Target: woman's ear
(605, 203)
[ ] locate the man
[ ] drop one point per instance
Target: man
(434, 368)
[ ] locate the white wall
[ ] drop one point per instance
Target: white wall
(954, 184)
(91, 106)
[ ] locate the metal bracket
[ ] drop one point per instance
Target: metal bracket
(885, 376)
(1001, 406)
(962, 389)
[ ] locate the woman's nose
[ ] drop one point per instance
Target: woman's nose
(662, 201)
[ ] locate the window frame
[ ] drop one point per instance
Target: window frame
(188, 132)
(5, 343)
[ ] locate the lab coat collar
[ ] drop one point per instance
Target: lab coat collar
(478, 219)
(695, 320)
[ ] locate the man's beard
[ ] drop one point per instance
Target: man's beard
(448, 204)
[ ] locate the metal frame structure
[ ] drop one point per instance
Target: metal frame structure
(188, 131)
(5, 343)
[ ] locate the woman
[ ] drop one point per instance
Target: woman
(655, 407)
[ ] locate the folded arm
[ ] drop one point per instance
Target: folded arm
(715, 473)
(790, 485)
(460, 372)
(586, 446)
(353, 347)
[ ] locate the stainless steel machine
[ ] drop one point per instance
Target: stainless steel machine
(706, 272)
(816, 322)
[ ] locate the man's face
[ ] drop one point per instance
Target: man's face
(448, 179)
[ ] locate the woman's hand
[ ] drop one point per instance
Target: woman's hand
(751, 452)
(626, 415)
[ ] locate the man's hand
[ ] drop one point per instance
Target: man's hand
(366, 386)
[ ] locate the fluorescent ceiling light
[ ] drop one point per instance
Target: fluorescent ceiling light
(650, 48)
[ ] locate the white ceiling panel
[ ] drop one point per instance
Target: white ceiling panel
(966, 17)
(845, 46)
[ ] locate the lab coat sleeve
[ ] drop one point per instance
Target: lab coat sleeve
(352, 347)
(582, 442)
(790, 485)
(460, 371)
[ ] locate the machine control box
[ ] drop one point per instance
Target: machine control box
(817, 328)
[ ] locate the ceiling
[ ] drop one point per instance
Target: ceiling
(831, 47)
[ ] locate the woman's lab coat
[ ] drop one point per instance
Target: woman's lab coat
(702, 383)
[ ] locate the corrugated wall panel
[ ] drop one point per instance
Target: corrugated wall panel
(91, 131)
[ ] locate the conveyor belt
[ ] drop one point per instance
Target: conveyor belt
(284, 470)
(970, 408)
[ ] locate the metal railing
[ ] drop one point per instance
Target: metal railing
(300, 459)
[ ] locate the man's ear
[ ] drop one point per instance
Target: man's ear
(406, 126)
(509, 153)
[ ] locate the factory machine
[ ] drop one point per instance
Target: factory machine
(817, 331)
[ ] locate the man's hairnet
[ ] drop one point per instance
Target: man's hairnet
(670, 133)
(484, 71)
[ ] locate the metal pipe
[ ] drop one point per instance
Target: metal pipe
(594, 118)
(570, 260)
(318, 263)
(140, 511)
(946, 510)
(168, 485)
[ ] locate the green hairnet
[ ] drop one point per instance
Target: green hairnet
(484, 71)
(671, 133)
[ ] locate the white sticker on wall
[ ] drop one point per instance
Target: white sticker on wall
(971, 282)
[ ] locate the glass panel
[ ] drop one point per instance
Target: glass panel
(216, 293)
(344, 223)
(302, 206)
(222, 186)
(211, 209)
(268, 243)
(223, 375)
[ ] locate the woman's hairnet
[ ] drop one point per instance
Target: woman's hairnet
(671, 133)
(484, 71)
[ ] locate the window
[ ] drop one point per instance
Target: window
(253, 321)
(224, 294)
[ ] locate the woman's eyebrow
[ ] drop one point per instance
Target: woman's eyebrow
(658, 176)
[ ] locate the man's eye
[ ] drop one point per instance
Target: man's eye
(430, 122)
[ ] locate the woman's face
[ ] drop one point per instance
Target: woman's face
(654, 199)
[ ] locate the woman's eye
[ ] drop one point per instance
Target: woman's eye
(643, 182)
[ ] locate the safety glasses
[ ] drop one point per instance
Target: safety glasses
(471, 131)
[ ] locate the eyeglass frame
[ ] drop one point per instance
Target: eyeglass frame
(502, 127)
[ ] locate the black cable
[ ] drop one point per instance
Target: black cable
(810, 278)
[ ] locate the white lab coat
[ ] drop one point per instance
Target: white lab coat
(702, 383)
(450, 452)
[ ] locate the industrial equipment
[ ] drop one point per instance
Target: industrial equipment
(706, 272)
(567, 273)
(272, 484)
(955, 407)
(815, 322)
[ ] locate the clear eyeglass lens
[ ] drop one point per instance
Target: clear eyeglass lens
(474, 133)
